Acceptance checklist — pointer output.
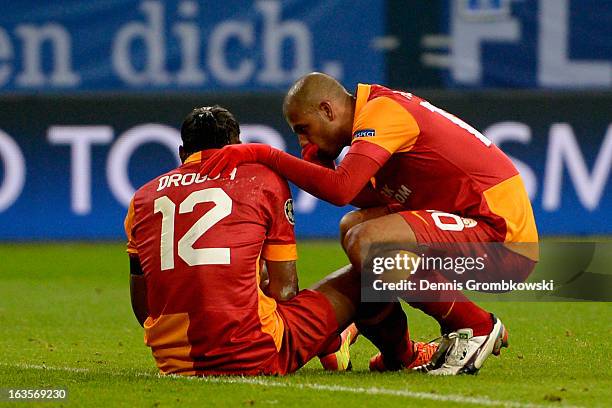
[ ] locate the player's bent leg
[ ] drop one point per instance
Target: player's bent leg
(385, 324)
(338, 356)
(385, 330)
(389, 332)
(352, 218)
(341, 289)
(315, 317)
(388, 228)
(454, 314)
(309, 326)
(453, 311)
(472, 334)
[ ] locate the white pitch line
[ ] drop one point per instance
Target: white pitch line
(312, 386)
(46, 367)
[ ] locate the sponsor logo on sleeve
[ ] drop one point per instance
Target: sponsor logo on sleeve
(364, 133)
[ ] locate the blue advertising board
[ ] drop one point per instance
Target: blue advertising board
(527, 44)
(71, 164)
(128, 45)
(254, 45)
(552, 44)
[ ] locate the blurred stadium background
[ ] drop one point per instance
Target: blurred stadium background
(93, 92)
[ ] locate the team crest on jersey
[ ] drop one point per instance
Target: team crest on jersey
(289, 211)
(364, 133)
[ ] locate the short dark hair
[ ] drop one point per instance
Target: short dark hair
(208, 127)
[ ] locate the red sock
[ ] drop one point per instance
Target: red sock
(458, 314)
(408, 355)
(391, 336)
(454, 311)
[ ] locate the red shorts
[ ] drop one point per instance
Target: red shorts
(455, 236)
(310, 324)
(437, 226)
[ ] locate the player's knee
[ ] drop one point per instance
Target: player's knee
(357, 241)
(347, 222)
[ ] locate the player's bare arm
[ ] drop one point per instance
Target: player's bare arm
(283, 279)
(138, 290)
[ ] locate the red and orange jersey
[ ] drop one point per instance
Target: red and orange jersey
(439, 162)
(201, 243)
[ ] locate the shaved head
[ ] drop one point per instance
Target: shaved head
(320, 111)
(311, 89)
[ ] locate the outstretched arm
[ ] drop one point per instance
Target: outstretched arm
(382, 127)
(338, 186)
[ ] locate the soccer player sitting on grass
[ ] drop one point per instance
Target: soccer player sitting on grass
(420, 176)
(197, 247)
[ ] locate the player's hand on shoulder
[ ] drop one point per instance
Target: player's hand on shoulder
(231, 156)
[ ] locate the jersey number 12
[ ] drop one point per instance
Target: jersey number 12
(189, 254)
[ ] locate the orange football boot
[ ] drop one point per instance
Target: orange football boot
(423, 352)
(341, 359)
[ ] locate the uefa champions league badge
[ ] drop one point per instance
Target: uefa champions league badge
(289, 213)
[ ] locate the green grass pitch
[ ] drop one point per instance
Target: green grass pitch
(65, 321)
